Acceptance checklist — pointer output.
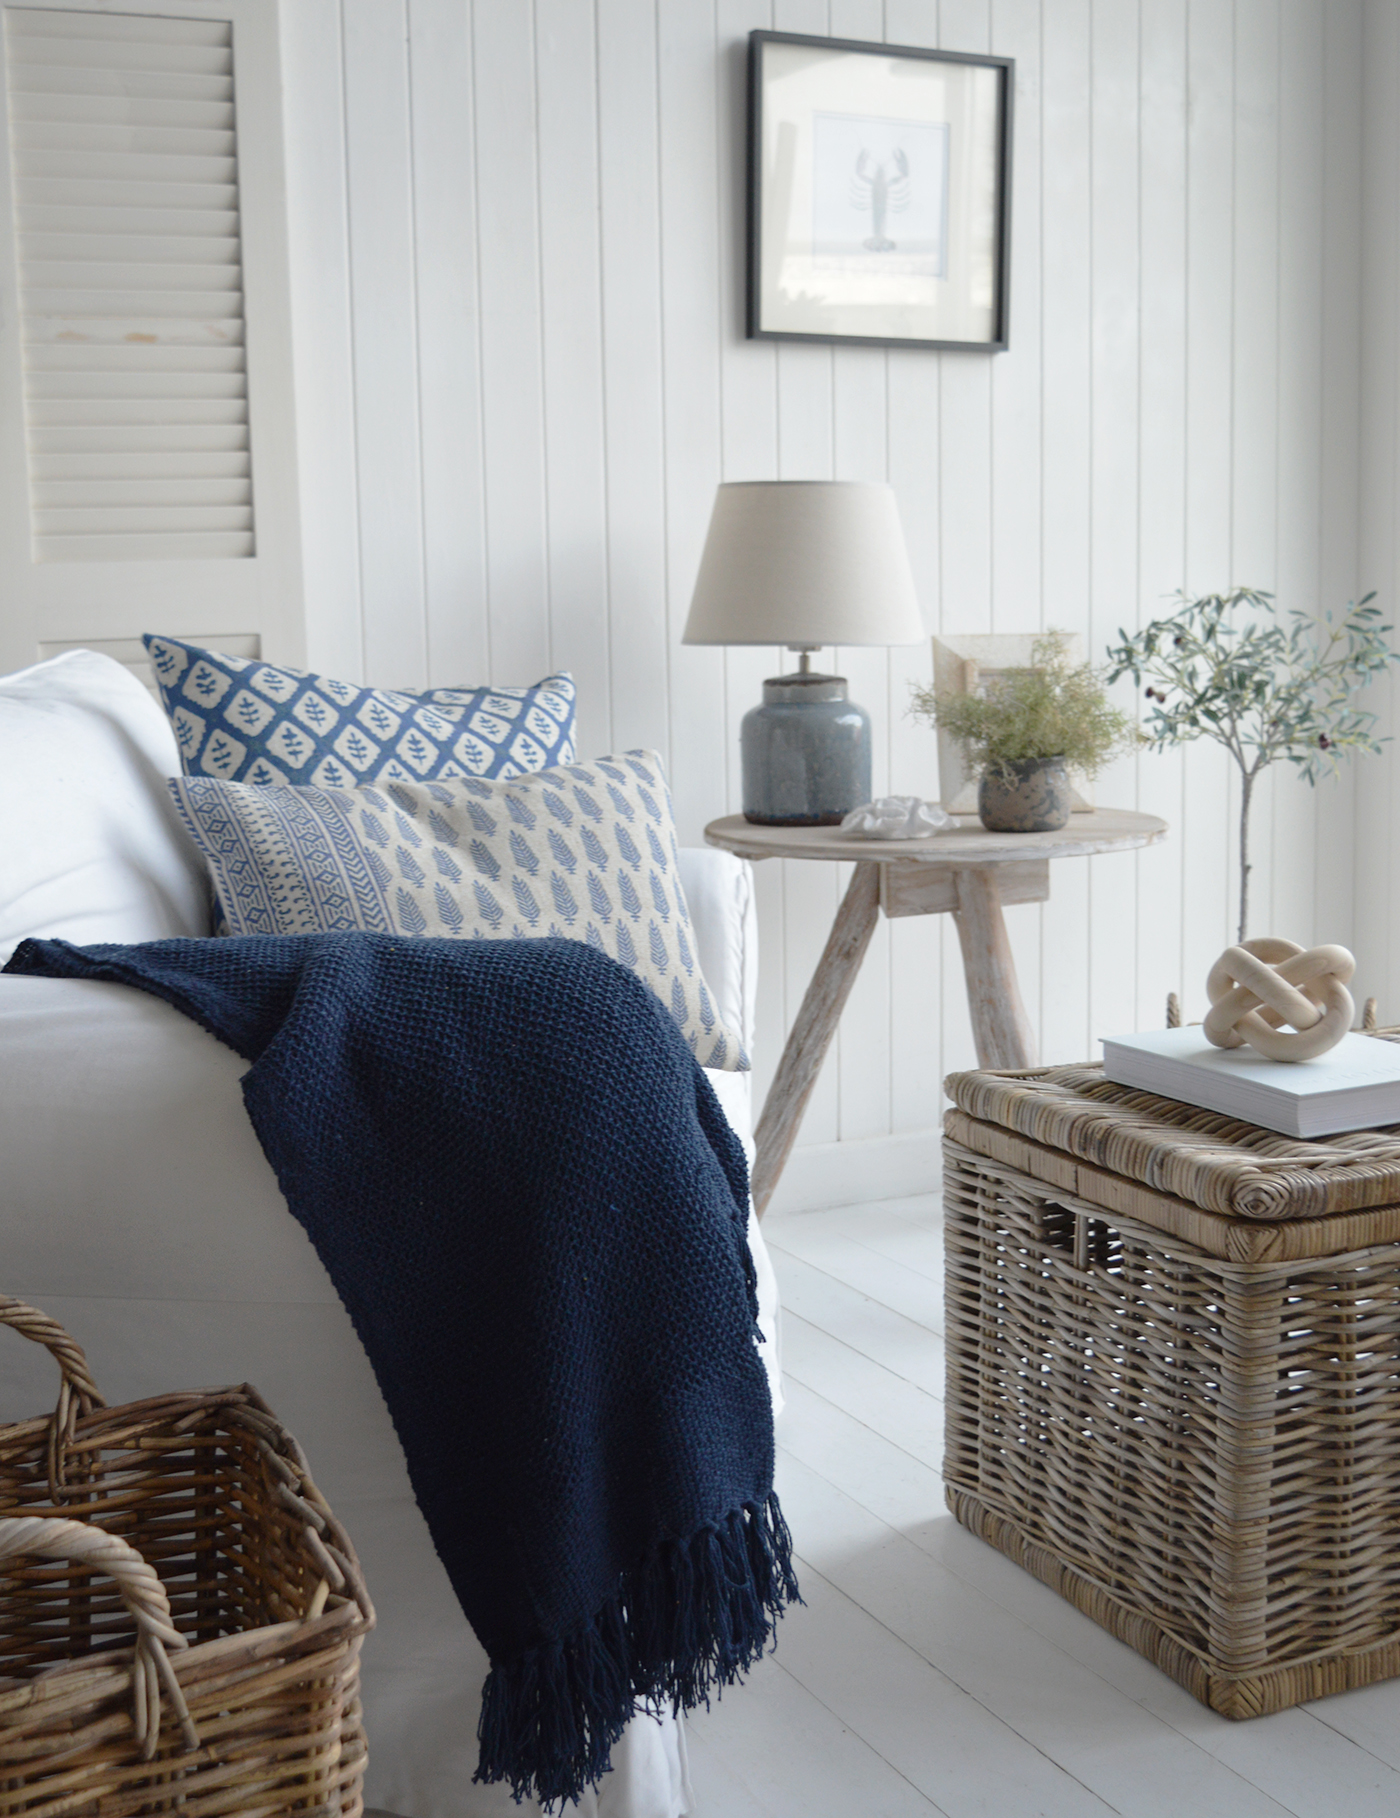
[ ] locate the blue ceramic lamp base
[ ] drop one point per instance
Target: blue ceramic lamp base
(806, 753)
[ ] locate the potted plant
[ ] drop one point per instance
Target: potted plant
(1225, 668)
(1026, 731)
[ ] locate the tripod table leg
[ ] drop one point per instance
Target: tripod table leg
(1000, 1025)
(812, 1032)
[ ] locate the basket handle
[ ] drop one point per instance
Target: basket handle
(77, 1393)
(51, 1537)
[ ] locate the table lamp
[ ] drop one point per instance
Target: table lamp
(806, 563)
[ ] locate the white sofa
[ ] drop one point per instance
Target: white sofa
(137, 1207)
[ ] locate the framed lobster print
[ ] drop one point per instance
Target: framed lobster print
(879, 193)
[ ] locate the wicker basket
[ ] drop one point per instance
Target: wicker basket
(1184, 1420)
(180, 1613)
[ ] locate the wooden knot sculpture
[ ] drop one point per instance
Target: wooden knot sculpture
(1259, 986)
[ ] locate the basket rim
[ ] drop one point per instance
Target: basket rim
(174, 1415)
(1216, 1163)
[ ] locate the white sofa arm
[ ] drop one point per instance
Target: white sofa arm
(723, 910)
(719, 889)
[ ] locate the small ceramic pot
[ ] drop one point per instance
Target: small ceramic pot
(1029, 797)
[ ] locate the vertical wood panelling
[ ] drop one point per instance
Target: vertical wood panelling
(748, 451)
(632, 405)
(1066, 315)
(1254, 477)
(509, 146)
(573, 388)
(1340, 846)
(1298, 459)
(860, 451)
(1162, 466)
(1380, 475)
(1016, 421)
(965, 515)
(689, 74)
(1208, 861)
(917, 943)
(536, 319)
(318, 233)
(804, 379)
(383, 283)
(453, 503)
(1115, 287)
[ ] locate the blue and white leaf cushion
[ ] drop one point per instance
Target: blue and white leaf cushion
(583, 851)
(247, 721)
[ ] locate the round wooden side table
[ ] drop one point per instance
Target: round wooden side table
(964, 872)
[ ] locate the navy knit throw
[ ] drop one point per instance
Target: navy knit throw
(534, 1210)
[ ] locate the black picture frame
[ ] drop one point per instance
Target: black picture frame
(956, 276)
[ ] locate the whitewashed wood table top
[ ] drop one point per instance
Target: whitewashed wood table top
(966, 843)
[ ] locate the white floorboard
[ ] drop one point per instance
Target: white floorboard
(927, 1674)
(824, 1765)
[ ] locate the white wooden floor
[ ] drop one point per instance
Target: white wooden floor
(927, 1674)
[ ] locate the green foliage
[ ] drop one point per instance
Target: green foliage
(1227, 667)
(1262, 688)
(1054, 709)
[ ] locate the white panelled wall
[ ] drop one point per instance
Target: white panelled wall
(517, 258)
(1378, 785)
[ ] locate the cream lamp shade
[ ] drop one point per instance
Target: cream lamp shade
(804, 562)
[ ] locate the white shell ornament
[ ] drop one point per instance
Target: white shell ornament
(1259, 986)
(896, 817)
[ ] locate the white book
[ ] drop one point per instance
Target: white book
(1355, 1086)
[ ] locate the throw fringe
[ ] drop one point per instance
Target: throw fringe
(690, 1620)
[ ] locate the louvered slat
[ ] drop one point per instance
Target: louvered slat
(125, 179)
(109, 413)
(101, 141)
(108, 275)
(180, 464)
(182, 85)
(79, 325)
(175, 464)
(83, 520)
(96, 385)
(112, 54)
(127, 438)
(113, 223)
(55, 246)
(122, 356)
(123, 110)
(165, 491)
(101, 31)
(149, 546)
(97, 192)
(136, 167)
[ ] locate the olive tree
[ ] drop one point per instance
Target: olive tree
(1266, 686)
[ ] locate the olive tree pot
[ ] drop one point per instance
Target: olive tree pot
(1032, 796)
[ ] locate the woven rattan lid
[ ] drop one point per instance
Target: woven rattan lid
(1210, 1161)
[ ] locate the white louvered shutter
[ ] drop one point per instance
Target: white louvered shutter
(147, 468)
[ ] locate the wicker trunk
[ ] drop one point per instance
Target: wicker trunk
(1174, 1377)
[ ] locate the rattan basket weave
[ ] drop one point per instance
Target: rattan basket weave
(180, 1613)
(1184, 1420)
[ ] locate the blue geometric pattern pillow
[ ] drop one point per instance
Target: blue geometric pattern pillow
(583, 851)
(252, 722)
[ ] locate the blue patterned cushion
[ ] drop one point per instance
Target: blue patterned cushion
(247, 721)
(584, 851)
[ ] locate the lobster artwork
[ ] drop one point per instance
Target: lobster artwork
(883, 189)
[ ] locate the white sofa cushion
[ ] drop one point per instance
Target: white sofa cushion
(93, 849)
